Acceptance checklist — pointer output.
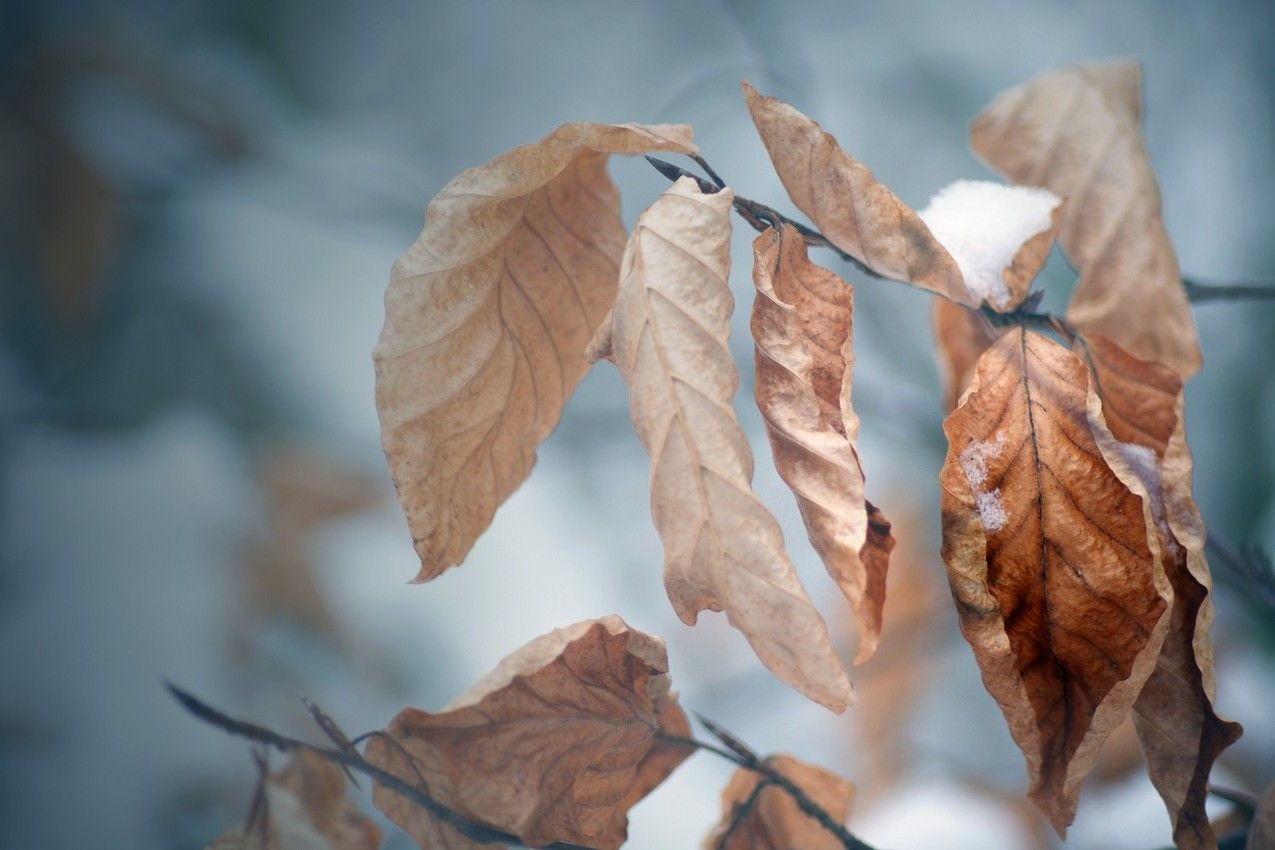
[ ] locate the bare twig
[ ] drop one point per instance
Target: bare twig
(475, 831)
(1199, 293)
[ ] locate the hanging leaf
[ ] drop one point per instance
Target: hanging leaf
(1261, 832)
(765, 817)
(486, 319)
(1077, 131)
(1181, 734)
(303, 807)
(847, 204)
(801, 325)
(555, 744)
(723, 551)
(960, 338)
(1049, 555)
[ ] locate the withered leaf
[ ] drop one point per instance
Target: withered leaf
(303, 807)
(802, 328)
(486, 319)
(555, 744)
(1261, 832)
(769, 819)
(846, 202)
(1181, 734)
(723, 551)
(1077, 131)
(1050, 559)
(960, 338)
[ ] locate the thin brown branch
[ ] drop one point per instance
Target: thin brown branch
(348, 758)
(1200, 293)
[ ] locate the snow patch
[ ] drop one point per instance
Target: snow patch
(973, 459)
(982, 225)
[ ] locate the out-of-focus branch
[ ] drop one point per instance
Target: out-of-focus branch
(1199, 293)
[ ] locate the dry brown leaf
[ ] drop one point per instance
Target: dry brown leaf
(804, 337)
(1049, 556)
(555, 744)
(486, 319)
(1077, 131)
(1181, 734)
(770, 819)
(1261, 832)
(303, 807)
(723, 551)
(846, 202)
(960, 338)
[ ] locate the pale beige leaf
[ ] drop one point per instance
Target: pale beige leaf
(1261, 832)
(847, 204)
(770, 819)
(555, 744)
(1077, 131)
(303, 807)
(723, 551)
(804, 338)
(1181, 734)
(486, 320)
(1049, 554)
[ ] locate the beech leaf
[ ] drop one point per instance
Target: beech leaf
(847, 204)
(555, 744)
(1077, 131)
(960, 338)
(486, 319)
(303, 807)
(1261, 832)
(769, 818)
(723, 551)
(1181, 734)
(1049, 555)
(802, 327)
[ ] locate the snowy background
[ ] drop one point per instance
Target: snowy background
(201, 202)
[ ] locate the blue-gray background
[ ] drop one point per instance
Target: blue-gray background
(200, 204)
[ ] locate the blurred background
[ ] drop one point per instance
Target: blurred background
(200, 203)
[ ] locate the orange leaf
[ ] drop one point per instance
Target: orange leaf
(804, 337)
(770, 819)
(555, 744)
(1049, 556)
(486, 319)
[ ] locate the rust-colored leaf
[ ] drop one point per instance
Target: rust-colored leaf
(723, 551)
(486, 319)
(960, 338)
(846, 202)
(1181, 734)
(769, 819)
(802, 327)
(555, 744)
(1077, 131)
(303, 807)
(1261, 832)
(1049, 556)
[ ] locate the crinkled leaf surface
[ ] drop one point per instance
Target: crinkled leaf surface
(486, 319)
(555, 744)
(860, 215)
(1181, 734)
(1059, 591)
(804, 342)
(769, 819)
(1077, 131)
(303, 807)
(723, 551)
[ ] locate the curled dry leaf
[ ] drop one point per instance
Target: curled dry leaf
(1077, 131)
(804, 337)
(1181, 734)
(767, 818)
(555, 744)
(960, 338)
(1059, 591)
(723, 551)
(303, 807)
(486, 319)
(857, 213)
